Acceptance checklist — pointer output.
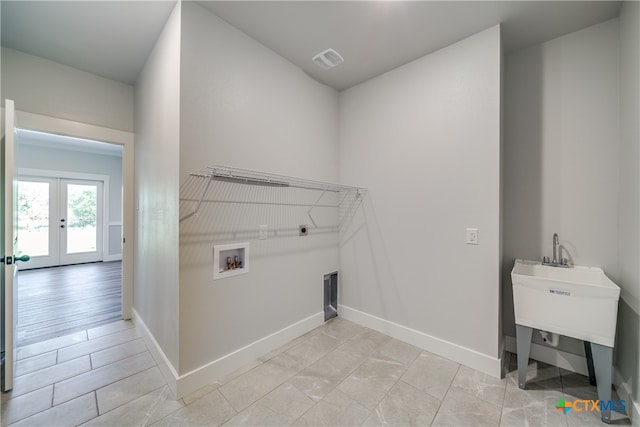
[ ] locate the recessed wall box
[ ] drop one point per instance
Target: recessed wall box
(230, 260)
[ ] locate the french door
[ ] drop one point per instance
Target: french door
(60, 221)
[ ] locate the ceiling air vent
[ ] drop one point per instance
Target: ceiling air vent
(328, 59)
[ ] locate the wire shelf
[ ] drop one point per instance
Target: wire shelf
(218, 185)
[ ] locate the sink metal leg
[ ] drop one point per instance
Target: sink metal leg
(603, 364)
(523, 347)
(589, 355)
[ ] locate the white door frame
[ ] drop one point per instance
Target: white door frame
(40, 123)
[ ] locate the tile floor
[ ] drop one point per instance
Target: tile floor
(340, 374)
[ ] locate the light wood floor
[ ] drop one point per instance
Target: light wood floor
(58, 301)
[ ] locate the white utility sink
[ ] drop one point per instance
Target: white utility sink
(579, 302)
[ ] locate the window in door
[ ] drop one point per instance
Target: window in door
(35, 234)
(60, 221)
(80, 221)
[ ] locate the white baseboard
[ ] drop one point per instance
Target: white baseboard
(198, 378)
(552, 356)
(624, 392)
(471, 358)
(504, 367)
(183, 385)
(111, 258)
(167, 369)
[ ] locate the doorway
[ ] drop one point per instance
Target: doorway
(70, 223)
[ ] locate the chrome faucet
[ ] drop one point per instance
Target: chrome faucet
(555, 262)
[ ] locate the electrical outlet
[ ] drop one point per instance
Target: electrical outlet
(472, 236)
(264, 233)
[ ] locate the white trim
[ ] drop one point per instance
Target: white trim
(53, 173)
(552, 356)
(38, 122)
(167, 369)
(183, 385)
(58, 126)
(9, 303)
(199, 377)
(466, 356)
(113, 257)
(625, 393)
(115, 224)
(504, 368)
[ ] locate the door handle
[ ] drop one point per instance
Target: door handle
(11, 260)
(62, 226)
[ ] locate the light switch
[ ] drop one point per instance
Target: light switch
(264, 233)
(472, 236)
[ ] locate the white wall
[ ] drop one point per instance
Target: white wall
(51, 89)
(157, 139)
(562, 155)
(37, 157)
(628, 341)
(425, 140)
(243, 105)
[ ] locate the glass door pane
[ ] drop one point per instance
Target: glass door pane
(82, 218)
(80, 222)
(33, 218)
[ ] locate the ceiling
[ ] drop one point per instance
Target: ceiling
(377, 36)
(109, 38)
(114, 38)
